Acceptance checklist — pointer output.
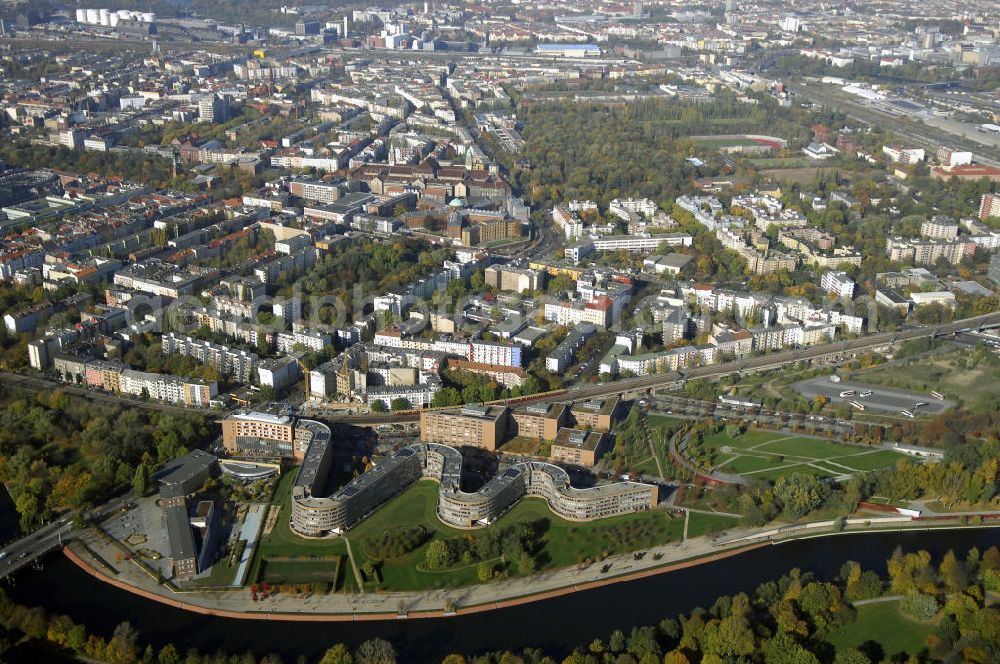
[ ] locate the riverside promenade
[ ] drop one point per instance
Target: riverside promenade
(97, 556)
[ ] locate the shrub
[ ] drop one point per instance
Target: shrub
(920, 606)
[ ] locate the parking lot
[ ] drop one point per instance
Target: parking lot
(884, 399)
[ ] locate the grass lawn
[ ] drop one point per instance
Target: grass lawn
(564, 543)
(771, 454)
(886, 625)
(700, 523)
(300, 571)
(647, 467)
(782, 162)
(221, 574)
(282, 542)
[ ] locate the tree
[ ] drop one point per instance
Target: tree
(140, 482)
(437, 555)
(920, 606)
(400, 404)
(484, 572)
(378, 406)
(123, 646)
(731, 637)
(168, 655)
(799, 493)
(953, 573)
(338, 654)
(375, 651)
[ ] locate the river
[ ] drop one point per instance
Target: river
(555, 625)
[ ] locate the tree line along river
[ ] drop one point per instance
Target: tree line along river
(556, 625)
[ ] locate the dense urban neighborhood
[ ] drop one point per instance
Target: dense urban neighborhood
(426, 313)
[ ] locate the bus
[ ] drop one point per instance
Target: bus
(847, 393)
(907, 413)
(858, 405)
(938, 396)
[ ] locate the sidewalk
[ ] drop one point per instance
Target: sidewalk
(382, 605)
(237, 603)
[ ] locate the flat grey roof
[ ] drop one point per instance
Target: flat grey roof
(179, 533)
(185, 467)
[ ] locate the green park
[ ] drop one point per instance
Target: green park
(404, 546)
(768, 455)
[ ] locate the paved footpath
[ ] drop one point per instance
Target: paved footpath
(98, 557)
(391, 605)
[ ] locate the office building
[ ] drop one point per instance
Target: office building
(539, 421)
(253, 434)
(474, 425)
(596, 414)
(317, 513)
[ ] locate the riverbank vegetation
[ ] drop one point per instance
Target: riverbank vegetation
(918, 610)
(60, 452)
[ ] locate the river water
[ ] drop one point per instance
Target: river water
(555, 625)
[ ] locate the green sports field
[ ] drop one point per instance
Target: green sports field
(759, 454)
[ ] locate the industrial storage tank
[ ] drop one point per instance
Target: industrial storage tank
(104, 16)
(81, 15)
(93, 16)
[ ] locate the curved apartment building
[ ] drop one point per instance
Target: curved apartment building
(317, 514)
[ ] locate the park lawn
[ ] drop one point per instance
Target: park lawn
(810, 448)
(416, 506)
(700, 523)
(281, 541)
(564, 543)
(768, 455)
(567, 543)
(885, 624)
(870, 460)
(646, 467)
(744, 441)
(300, 571)
(790, 467)
(746, 463)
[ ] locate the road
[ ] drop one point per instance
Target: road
(765, 362)
(25, 551)
(594, 390)
(42, 383)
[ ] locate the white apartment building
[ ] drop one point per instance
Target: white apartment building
(642, 242)
(568, 222)
(838, 283)
(939, 228)
(486, 352)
